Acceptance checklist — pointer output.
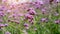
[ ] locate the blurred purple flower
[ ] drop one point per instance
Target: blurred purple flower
(57, 21)
(8, 11)
(56, 1)
(26, 25)
(6, 25)
(29, 9)
(44, 19)
(28, 16)
(2, 25)
(43, 10)
(32, 12)
(31, 21)
(1, 14)
(1, 9)
(14, 15)
(46, 2)
(17, 22)
(56, 14)
(7, 32)
(37, 4)
(40, 2)
(20, 15)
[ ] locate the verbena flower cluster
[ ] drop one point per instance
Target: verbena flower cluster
(26, 16)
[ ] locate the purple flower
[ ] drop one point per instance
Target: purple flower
(41, 2)
(44, 20)
(14, 15)
(2, 25)
(28, 16)
(57, 21)
(1, 9)
(31, 11)
(1, 14)
(31, 21)
(17, 22)
(20, 15)
(56, 14)
(7, 32)
(37, 4)
(8, 11)
(43, 10)
(26, 25)
(56, 1)
(6, 24)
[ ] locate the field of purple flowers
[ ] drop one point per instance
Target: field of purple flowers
(35, 17)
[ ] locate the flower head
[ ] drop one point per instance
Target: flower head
(44, 20)
(31, 11)
(28, 16)
(57, 21)
(7, 32)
